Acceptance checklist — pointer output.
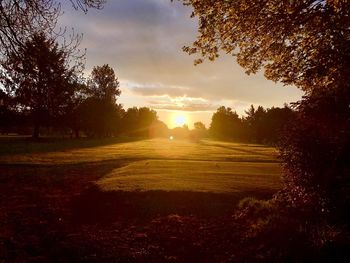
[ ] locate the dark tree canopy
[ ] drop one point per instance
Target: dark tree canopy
(20, 19)
(103, 83)
(199, 126)
(266, 125)
(138, 121)
(100, 118)
(38, 77)
(97, 113)
(199, 131)
(304, 43)
(225, 124)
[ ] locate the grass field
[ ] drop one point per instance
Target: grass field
(84, 196)
(161, 164)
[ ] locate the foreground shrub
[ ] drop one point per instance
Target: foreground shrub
(274, 231)
(316, 154)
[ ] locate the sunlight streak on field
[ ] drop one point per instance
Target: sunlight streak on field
(197, 176)
(151, 149)
(171, 165)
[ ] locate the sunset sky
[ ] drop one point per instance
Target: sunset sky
(142, 41)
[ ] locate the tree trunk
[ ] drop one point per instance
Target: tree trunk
(36, 131)
(77, 133)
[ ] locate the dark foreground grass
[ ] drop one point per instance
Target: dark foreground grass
(58, 211)
(10, 145)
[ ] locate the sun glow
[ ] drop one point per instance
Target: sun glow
(179, 119)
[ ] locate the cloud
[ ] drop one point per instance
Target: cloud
(142, 41)
(157, 89)
(183, 103)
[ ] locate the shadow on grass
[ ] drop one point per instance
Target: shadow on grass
(35, 214)
(57, 214)
(94, 206)
(23, 145)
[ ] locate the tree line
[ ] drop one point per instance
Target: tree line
(42, 92)
(259, 125)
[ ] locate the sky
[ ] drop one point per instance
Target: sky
(142, 41)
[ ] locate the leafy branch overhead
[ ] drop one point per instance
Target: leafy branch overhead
(304, 43)
(20, 19)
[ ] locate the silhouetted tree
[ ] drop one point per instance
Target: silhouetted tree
(38, 75)
(255, 124)
(20, 19)
(180, 132)
(199, 131)
(147, 117)
(138, 121)
(7, 113)
(98, 114)
(266, 125)
(76, 112)
(276, 121)
(199, 126)
(130, 121)
(158, 129)
(100, 119)
(225, 124)
(103, 84)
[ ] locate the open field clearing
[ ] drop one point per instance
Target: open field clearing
(140, 201)
(169, 165)
(145, 149)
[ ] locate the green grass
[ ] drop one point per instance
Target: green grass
(199, 176)
(85, 151)
(159, 164)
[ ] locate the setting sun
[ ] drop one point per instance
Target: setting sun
(179, 119)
